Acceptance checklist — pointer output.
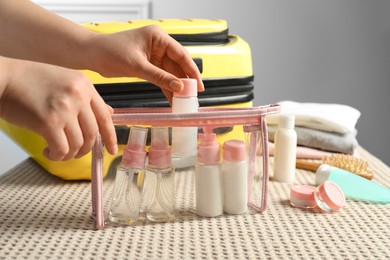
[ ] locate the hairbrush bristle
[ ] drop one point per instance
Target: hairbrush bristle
(349, 163)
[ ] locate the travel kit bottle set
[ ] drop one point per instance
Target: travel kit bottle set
(146, 180)
(226, 177)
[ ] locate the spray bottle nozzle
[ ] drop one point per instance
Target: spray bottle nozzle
(137, 138)
(134, 154)
(159, 152)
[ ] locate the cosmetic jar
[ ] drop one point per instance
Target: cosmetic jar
(327, 196)
(302, 196)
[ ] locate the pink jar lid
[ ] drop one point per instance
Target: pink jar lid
(332, 195)
(302, 196)
(190, 88)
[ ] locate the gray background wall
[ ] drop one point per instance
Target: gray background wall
(303, 50)
(312, 51)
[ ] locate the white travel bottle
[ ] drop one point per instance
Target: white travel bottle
(126, 200)
(184, 139)
(160, 178)
(285, 149)
(235, 177)
(208, 177)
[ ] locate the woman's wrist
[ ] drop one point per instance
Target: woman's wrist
(93, 53)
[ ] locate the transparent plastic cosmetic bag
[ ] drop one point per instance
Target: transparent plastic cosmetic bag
(241, 125)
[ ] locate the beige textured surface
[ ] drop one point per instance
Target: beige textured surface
(44, 217)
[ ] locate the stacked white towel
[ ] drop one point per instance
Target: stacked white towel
(328, 127)
(326, 117)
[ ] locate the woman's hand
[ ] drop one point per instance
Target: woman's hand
(147, 53)
(58, 103)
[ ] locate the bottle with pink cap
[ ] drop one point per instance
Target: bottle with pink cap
(184, 139)
(126, 200)
(208, 179)
(235, 177)
(160, 178)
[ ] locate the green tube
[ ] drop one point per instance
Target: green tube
(353, 186)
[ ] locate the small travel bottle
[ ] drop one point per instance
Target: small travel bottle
(235, 177)
(160, 179)
(185, 139)
(285, 149)
(126, 200)
(208, 178)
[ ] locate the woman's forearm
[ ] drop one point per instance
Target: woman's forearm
(30, 32)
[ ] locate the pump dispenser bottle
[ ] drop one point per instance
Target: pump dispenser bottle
(184, 139)
(208, 178)
(126, 200)
(285, 149)
(160, 177)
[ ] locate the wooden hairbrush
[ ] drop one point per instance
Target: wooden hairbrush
(346, 162)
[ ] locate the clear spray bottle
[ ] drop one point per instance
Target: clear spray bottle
(160, 179)
(126, 200)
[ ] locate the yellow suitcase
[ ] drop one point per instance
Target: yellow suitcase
(226, 68)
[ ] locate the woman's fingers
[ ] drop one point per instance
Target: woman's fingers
(57, 145)
(90, 129)
(179, 56)
(160, 77)
(75, 139)
(106, 128)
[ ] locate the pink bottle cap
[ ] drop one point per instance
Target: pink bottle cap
(302, 196)
(190, 88)
(331, 194)
(234, 151)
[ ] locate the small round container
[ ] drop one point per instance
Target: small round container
(302, 196)
(329, 197)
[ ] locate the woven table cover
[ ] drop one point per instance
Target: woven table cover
(44, 217)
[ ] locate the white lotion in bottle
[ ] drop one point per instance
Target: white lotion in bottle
(184, 139)
(208, 178)
(285, 149)
(235, 177)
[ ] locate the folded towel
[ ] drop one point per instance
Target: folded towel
(326, 117)
(308, 153)
(327, 141)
